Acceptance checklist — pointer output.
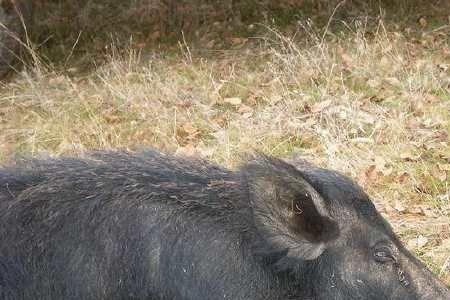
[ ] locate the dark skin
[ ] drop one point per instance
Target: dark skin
(373, 262)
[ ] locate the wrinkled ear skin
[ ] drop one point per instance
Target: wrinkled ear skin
(290, 216)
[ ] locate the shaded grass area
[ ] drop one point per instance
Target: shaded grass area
(366, 94)
(77, 35)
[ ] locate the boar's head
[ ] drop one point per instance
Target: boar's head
(322, 229)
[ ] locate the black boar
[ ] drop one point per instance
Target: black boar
(151, 226)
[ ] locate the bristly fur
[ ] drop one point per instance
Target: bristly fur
(117, 225)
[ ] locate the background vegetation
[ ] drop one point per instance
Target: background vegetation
(361, 87)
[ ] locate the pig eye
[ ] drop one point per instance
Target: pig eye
(383, 254)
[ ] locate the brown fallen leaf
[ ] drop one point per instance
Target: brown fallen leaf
(382, 166)
(320, 106)
(418, 242)
(416, 210)
(423, 22)
(238, 40)
(439, 174)
(221, 120)
(188, 150)
(233, 100)
(374, 83)
(186, 133)
(392, 81)
(244, 109)
(422, 189)
(210, 44)
(347, 59)
(399, 206)
(368, 176)
(430, 98)
(445, 243)
(443, 67)
(409, 156)
(190, 128)
(444, 167)
(430, 212)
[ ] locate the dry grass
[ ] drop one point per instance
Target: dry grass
(369, 101)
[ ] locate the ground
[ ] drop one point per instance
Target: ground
(363, 92)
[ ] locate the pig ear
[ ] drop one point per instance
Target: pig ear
(290, 215)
